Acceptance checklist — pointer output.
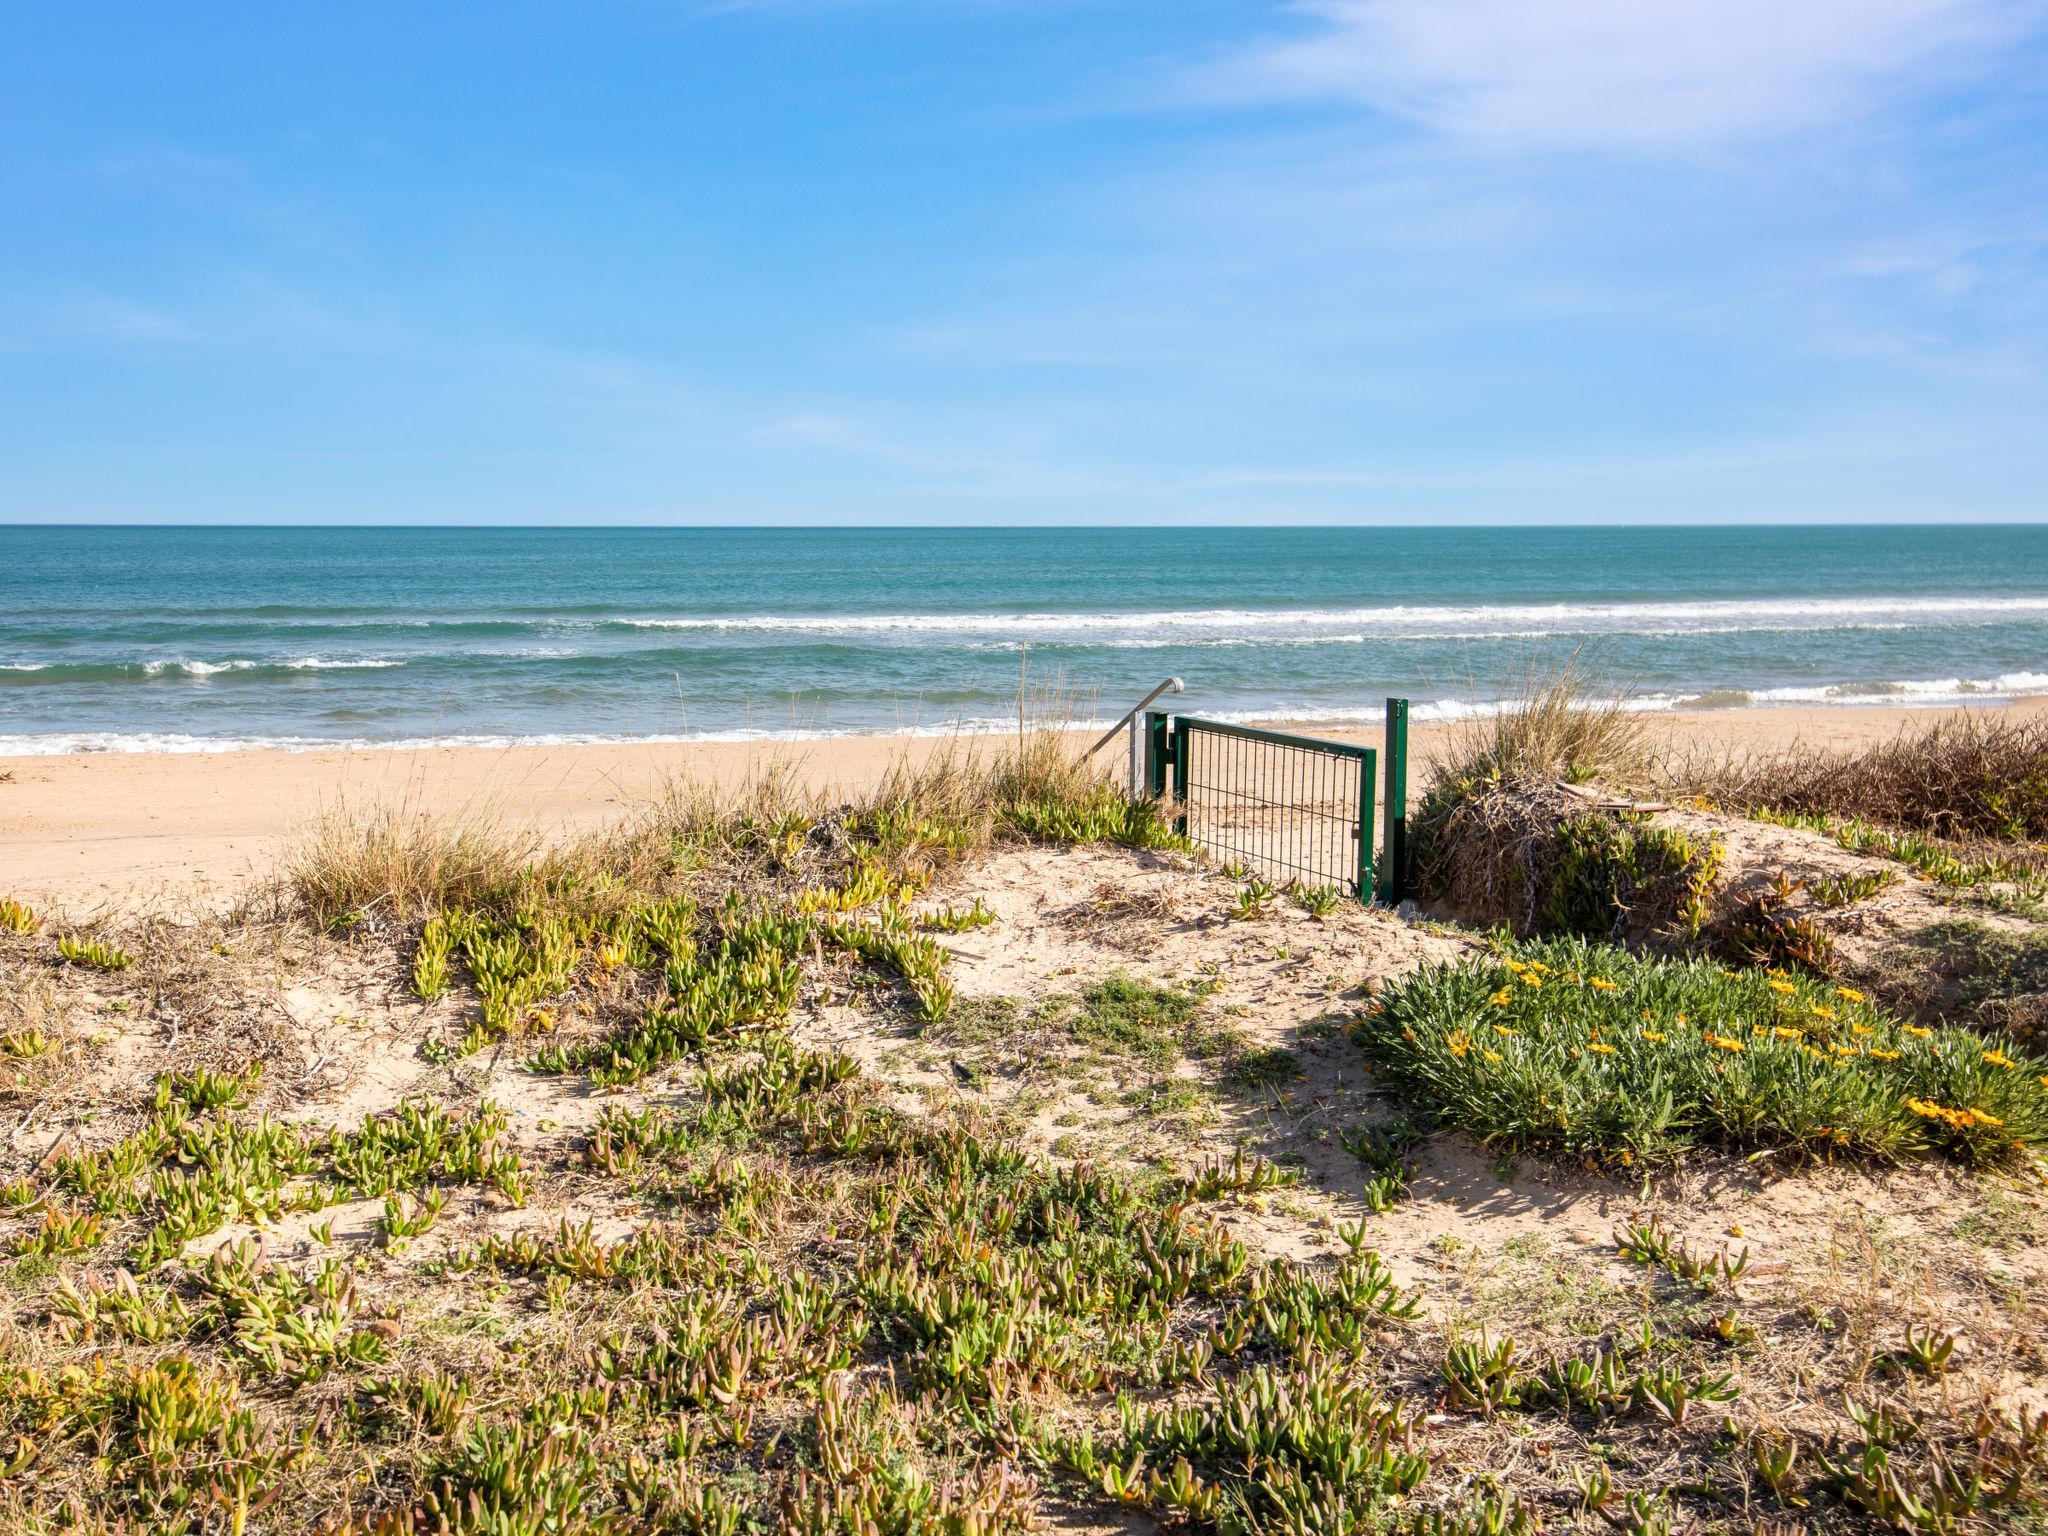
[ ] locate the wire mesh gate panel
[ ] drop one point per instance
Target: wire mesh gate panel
(1285, 807)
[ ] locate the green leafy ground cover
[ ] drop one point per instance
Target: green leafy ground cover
(1590, 1051)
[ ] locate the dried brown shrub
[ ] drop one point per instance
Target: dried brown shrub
(1531, 856)
(1966, 775)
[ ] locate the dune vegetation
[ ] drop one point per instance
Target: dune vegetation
(969, 1157)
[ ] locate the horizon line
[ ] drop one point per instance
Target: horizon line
(2036, 521)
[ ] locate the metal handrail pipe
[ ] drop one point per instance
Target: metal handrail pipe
(1171, 685)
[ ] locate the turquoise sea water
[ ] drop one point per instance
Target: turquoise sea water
(191, 639)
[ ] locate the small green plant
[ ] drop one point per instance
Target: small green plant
(410, 1215)
(1318, 901)
(430, 959)
(1480, 1375)
(15, 917)
(203, 1089)
(1775, 1457)
(1672, 1396)
(27, 1044)
(1854, 885)
(1650, 1242)
(1241, 1175)
(948, 919)
(1253, 898)
(1928, 1350)
(63, 1231)
(1265, 1066)
(96, 953)
(1384, 1150)
(1941, 864)
(1766, 931)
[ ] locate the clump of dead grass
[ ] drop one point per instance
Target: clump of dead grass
(403, 861)
(1968, 775)
(1567, 722)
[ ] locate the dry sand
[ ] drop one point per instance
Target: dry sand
(138, 826)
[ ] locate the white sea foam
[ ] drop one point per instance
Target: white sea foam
(1921, 692)
(1511, 620)
(64, 743)
(179, 666)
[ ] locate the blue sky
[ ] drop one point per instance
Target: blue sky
(1011, 261)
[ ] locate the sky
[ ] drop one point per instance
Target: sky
(1024, 261)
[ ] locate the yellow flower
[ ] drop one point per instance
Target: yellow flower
(1502, 998)
(1861, 1029)
(1822, 1012)
(1502, 1029)
(1600, 983)
(1651, 1034)
(1681, 1018)
(1603, 1050)
(1955, 1119)
(1491, 1055)
(1458, 1041)
(1787, 1034)
(1884, 1055)
(1999, 1059)
(1531, 979)
(1722, 1042)
(1917, 1031)
(1849, 994)
(1781, 986)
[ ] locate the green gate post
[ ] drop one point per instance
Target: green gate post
(1155, 752)
(1397, 801)
(1367, 777)
(1179, 740)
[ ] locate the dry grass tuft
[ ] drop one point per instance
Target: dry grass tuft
(400, 861)
(691, 822)
(1962, 776)
(1567, 722)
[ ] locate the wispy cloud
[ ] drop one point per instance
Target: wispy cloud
(1616, 73)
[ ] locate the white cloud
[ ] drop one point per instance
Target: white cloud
(1634, 73)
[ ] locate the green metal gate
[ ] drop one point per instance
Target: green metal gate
(1287, 807)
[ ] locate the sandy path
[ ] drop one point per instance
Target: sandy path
(132, 825)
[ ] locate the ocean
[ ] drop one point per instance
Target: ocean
(196, 639)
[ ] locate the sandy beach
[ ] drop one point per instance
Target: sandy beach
(130, 827)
